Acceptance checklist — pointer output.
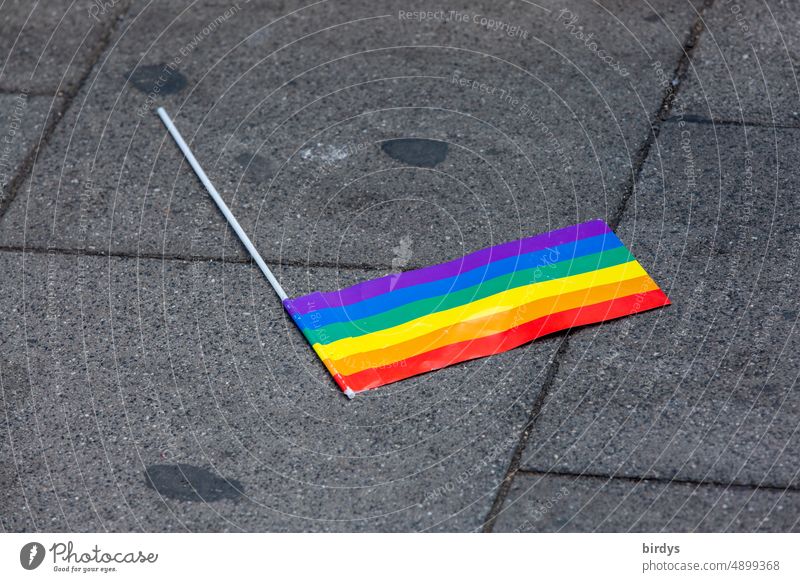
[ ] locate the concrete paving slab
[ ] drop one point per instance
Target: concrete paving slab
(189, 370)
(46, 46)
(704, 389)
(291, 117)
(746, 64)
(22, 118)
(548, 503)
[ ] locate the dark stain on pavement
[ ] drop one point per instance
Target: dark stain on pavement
(256, 168)
(157, 78)
(425, 153)
(189, 483)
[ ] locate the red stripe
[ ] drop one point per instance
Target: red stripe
(501, 342)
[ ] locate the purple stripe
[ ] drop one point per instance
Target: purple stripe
(375, 287)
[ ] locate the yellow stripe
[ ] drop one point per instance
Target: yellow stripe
(498, 323)
(481, 308)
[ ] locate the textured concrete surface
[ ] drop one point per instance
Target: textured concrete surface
(22, 119)
(151, 381)
(545, 503)
(292, 133)
(705, 389)
(112, 367)
(745, 66)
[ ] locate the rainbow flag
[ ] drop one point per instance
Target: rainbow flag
(387, 329)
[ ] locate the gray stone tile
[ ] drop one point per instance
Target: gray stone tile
(22, 119)
(704, 389)
(112, 365)
(745, 64)
(290, 117)
(46, 46)
(547, 503)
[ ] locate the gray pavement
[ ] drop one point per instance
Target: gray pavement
(22, 118)
(142, 363)
(745, 65)
(150, 380)
(319, 185)
(705, 390)
(554, 503)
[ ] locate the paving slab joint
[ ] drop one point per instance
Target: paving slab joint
(522, 443)
(663, 112)
(661, 480)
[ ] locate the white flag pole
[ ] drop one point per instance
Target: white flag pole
(176, 135)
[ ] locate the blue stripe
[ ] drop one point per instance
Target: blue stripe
(393, 299)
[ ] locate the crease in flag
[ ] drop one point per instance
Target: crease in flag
(490, 301)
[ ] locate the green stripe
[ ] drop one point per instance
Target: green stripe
(399, 315)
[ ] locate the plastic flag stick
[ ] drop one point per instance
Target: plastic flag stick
(248, 244)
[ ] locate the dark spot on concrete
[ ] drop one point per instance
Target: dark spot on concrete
(190, 483)
(690, 118)
(256, 168)
(652, 18)
(157, 78)
(425, 153)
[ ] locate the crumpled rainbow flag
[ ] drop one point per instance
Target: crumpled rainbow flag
(387, 329)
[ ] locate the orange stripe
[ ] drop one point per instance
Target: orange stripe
(500, 342)
(491, 324)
